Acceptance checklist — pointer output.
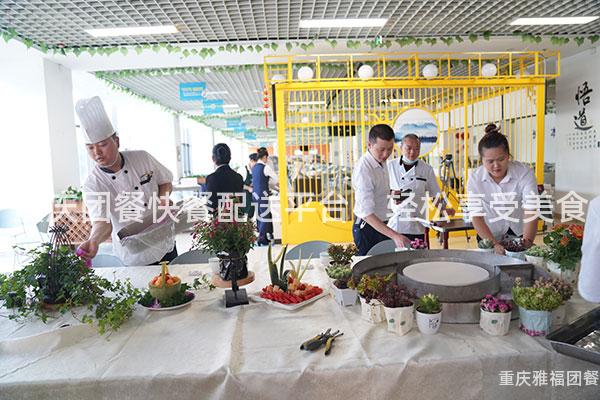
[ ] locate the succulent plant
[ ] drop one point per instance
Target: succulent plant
(485, 244)
(537, 251)
(369, 287)
(395, 295)
(514, 245)
(429, 304)
(340, 254)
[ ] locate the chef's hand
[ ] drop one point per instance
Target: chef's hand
(499, 249)
(401, 241)
(88, 249)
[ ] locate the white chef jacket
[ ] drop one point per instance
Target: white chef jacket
(136, 183)
(270, 172)
(589, 276)
(422, 181)
(371, 184)
(487, 196)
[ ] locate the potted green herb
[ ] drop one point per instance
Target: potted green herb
(369, 288)
(485, 245)
(398, 304)
(342, 294)
(341, 255)
(429, 314)
(495, 315)
(535, 307)
(565, 290)
(536, 254)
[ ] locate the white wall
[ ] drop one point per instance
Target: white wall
(578, 169)
(26, 179)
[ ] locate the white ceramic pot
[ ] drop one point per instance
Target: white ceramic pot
(559, 316)
(495, 323)
(372, 312)
(535, 260)
(344, 297)
(400, 319)
(429, 323)
(520, 255)
(566, 275)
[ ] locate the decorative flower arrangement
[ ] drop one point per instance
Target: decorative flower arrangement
(234, 237)
(564, 245)
(418, 244)
(342, 255)
(485, 244)
(495, 305)
(564, 289)
(394, 296)
(536, 298)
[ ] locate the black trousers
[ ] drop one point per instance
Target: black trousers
(365, 236)
(170, 256)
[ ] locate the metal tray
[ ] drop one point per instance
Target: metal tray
(563, 340)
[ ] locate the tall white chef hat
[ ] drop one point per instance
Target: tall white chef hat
(94, 121)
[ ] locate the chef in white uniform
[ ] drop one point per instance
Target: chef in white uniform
(411, 181)
(122, 187)
(589, 276)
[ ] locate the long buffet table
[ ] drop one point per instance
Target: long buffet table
(206, 351)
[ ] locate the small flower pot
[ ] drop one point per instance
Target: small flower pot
(344, 297)
(559, 316)
(535, 260)
(519, 255)
(400, 319)
(495, 323)
(429, 324)
(535, 323)
(372, 312)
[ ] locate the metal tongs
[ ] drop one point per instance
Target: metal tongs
(326, 338)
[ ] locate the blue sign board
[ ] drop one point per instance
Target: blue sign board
(249, 135)
(234, 122)
(213, 106)
(192, 91)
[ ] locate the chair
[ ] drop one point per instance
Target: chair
(12, 223)
(311, 249)
(192, 257)
(387, 246)
(42, 227)
(106, 261)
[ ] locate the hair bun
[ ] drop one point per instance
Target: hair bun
(491, 128)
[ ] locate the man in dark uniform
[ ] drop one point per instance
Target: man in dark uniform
(223, 184)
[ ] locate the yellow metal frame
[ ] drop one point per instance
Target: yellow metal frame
(521, 76)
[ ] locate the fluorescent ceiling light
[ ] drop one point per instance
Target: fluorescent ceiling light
(398, 100)
(216, 92)
(343, 23)
(307, 103)
(554, 21)
(132, 31)
(231, 106)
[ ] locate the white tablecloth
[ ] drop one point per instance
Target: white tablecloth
(206, 351)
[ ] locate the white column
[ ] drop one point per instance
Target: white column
(177, 133)
(61, 126)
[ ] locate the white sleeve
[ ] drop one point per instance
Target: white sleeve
(96, 201)
(364, 188)
(162, 173)
(529, 188)
(589, 276)
(271, 174)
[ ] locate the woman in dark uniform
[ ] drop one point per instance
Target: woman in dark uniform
(249, 207)
(262, 177)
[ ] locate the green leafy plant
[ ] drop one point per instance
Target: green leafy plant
(342, 274)
(485, 244)
(370, 287)
(394, 295)
(563, 288)
(564, 245)
(28, 291)
(279, 277)
(342, 255)
(536, 298)
(71, 193)
(429, 304)
(234, 237)
(537, 251)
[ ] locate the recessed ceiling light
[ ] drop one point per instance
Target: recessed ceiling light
(343, 23)
(133, 31)
(554, 20)
(231, 106)
(216, 92)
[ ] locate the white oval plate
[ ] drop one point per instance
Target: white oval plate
(173, 307)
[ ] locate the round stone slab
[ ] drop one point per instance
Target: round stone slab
(446, 273)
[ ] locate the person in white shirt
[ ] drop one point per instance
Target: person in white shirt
(589, 275)
(502, 193)
(122, 185)
(412, 181)
(371, 184)
(263, 180)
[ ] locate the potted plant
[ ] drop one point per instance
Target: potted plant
(564, 250)
(429, 314)
(230, 241)
(514, 248)
(536, 254)
(369, 288)
(418, 244)
(341, 255)
(566, 292)
(399, 307)
(535, 307)
(342, 294)
(485, 245)
(495, 315)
